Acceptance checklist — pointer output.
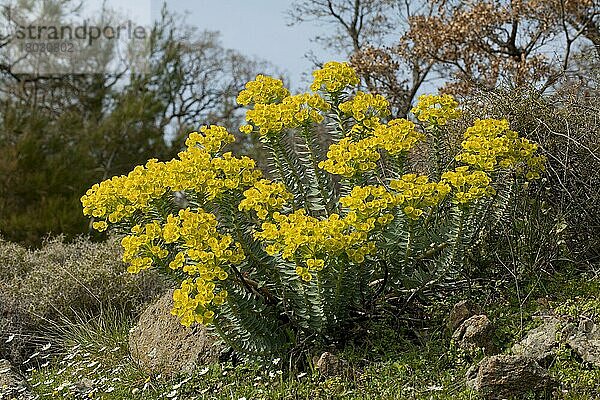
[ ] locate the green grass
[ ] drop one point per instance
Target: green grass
(385, 359)
(97, 365)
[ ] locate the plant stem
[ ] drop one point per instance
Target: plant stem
(315, 165)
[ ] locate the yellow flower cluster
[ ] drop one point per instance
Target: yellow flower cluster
(292, 112)
(468, 185)
(203, 250)
(490, 143)
(229, 173)
(397, 136)
(204, 245)
(347, 158)
(370, 203)
(367, 109)
(302, 238)
(197, 170)
(263, 90)
(436, 110)
(197, 248)
(191, 301)
(535, 165)
(416, 192)
(265, 197)
(100, 226)
(334, 77)
(305, 239)
(121, 196)
(211, 138)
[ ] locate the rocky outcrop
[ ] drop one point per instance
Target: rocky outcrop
(540, 343)
(508, 376)
(511, 376)
(161, 344)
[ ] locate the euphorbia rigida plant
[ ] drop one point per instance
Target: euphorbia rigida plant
(271, 263)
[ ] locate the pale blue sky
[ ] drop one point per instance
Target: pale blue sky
(254, 27)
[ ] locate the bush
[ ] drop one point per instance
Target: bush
(567, 204)
(276, 264)
(62, 281)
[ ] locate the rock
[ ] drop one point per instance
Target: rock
(585, 341)
(161, 344)
(539, 343)
(85, 385)
(8, 376)
(329, 364)
(475, 332)
(508, 376)
(11, 382)
(460, 312)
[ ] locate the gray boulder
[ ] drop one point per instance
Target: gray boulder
(585, 341)
(161, 344)
(507, 377)
(540, 343)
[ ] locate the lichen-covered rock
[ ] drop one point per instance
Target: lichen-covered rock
(540, 343)
(161, 344)
(585, 341)
(461, 311)
(475, 332)
(509, 376)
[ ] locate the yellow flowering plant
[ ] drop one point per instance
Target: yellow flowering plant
(269, 263)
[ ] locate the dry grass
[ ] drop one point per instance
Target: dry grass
(58, 282)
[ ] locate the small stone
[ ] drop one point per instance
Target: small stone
(84, 385)
(475, 332)
(329, 364)
(461, 311)
(585, 341)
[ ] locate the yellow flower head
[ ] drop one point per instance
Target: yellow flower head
(415, 192)
(292, 112)
(348, 158)
(468, 186)
(263, 90)
(212, 138)
(398, 136)
(366, 106)
(436, 110)
(490, 144)
(265, 197)
(334, 77)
